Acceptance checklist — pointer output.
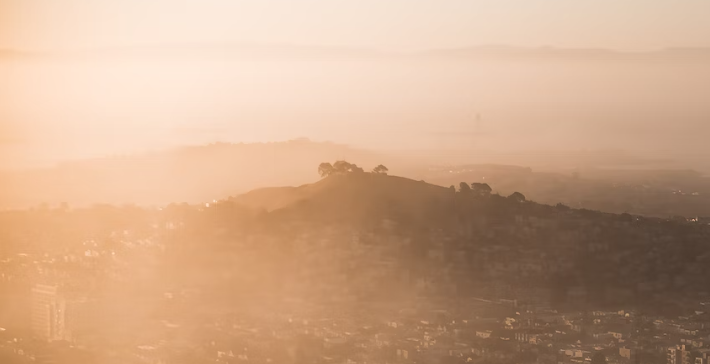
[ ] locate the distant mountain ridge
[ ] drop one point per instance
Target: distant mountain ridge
(229, 50)
(560, 53)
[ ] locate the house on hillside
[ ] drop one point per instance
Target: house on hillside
(484, 334)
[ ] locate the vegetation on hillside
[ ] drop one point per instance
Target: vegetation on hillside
(354, 228)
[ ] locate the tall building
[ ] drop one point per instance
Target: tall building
(673, 356)
(679, 354)
(48, 313)
(703, 356)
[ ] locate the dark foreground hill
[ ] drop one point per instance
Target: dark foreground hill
(367, 235)
(362, 236)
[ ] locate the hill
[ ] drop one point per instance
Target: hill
(350, 197)
(463, 243)
(362, 236)
(657, 193)
(198, 174)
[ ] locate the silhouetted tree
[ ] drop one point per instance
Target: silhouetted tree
(345, 167)
(342, 167)
(325, 169)
(464, 188)
(517, 196)
(481, 189)
(355, 168)
(380, 169)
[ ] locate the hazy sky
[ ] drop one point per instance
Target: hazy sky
(392, 24)
(51, 109)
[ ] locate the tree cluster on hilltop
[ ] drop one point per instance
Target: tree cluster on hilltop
(483, 190)
(651, 193)
(326, 169)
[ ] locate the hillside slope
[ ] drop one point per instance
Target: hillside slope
(482, 245)
(351, 196)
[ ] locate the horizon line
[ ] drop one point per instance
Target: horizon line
(382, 50)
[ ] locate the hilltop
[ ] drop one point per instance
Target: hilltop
(350, 196)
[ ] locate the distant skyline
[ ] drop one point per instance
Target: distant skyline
(390, 25)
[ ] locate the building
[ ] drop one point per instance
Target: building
(679, 354)
(484, 334)
(703, 356)
(628, 354)
(525, 337)
(48, 312)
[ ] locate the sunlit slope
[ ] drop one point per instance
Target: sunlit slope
(354, 195)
